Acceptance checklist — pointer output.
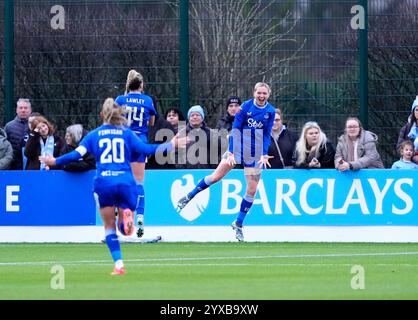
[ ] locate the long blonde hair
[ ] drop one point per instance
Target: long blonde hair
(134, 81)
(301, 146)
(112, 113)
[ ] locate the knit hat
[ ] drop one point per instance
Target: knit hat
(233, 99)
(414, 104)
(198, 109)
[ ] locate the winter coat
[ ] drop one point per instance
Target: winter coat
(403, 133)
(368, 157)
(86, 163)
(160, 124)
(6, 151)
(325, 158)
(16, 130)
(225, 122)
(287, 144)
(188, 158)
(33, 150)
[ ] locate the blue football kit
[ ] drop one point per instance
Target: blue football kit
(140, 108)
(113, 146)
(250, 135)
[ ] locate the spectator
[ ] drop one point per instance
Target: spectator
(313, 149)
(197, 154)
(232, 108)
(114, 184)
(162, 131)
(174, 116)
(356, 148)
(6, 151)
(16, 130)
(406, 151)
(244, 149)
(32, 116)
(224, 125)
(408, 131)
(42, 141)
(282, 144)
(74, 134)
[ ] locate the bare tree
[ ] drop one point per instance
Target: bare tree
(68, 73)
(392, 70)
(233, 45)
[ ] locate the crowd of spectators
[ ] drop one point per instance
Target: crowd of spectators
(31, 134)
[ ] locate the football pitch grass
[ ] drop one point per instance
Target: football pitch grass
(211, 271)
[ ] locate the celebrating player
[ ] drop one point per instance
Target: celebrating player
(249, 141)
(140, 113)
(113, 144)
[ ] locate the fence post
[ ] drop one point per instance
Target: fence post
(8, 60)
(184, 55)
(363, 56)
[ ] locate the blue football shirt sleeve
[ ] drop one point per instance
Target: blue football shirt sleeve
(267, 133)
(237, 126)
(139, 146)
(68, 157)
(79, 152)
(120, 101)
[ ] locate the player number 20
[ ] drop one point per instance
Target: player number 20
(114, 150)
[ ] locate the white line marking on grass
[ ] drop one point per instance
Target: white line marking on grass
(325, 255)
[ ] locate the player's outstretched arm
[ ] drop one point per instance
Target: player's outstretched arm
(179, 142)
(47, 160)
(141, 147)
(65, 159)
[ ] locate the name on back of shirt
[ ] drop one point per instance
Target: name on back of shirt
(135, 100)
(110, 131)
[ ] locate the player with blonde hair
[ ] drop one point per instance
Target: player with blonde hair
(113, 144)
(140, 114)
(249, 141)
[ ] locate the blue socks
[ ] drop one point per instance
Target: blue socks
(113, 244)
(202, 185)
(140, 205)
(246, 204)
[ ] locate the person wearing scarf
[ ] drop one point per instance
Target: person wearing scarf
(42, 142)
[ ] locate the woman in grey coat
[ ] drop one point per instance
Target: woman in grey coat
(6, 151)
(356, 148)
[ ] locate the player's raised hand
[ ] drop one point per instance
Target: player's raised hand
(230, 159)
(48, 160)
(180, 141)
(264, 161)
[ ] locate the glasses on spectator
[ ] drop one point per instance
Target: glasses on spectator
(352, 127)
(277, 120)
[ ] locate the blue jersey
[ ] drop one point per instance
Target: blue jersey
(140, 108)
(402, 164)
(250, 138)
(112, 147)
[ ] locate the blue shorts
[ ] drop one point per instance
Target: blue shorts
(238, 159)
(120, 195)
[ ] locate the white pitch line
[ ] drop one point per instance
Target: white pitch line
(326, 255)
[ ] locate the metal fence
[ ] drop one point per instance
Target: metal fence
(307, 50)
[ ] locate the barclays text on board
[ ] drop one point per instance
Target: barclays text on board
(284, 198)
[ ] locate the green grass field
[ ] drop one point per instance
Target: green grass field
(212, 271)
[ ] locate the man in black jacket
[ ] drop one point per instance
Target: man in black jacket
(233, 107)
(16, 130)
